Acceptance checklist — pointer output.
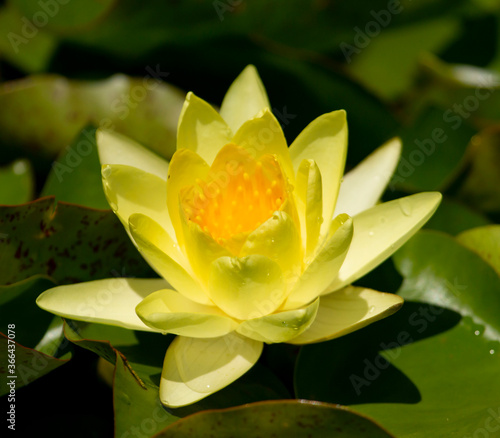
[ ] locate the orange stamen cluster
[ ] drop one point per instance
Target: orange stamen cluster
(238, 200)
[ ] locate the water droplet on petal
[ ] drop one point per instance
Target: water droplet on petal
(405, 207)
(106, 171)
(113, 206)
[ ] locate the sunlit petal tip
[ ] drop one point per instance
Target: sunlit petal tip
(201, 128)
(195, 368)
(244, 99)
(114, 148)
(381, 231)
(363, 186)
(348, 310)
(324, 140)
(110, 301)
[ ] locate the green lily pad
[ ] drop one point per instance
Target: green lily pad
(387, 63)
(485, 241)
(297, 418)
(64, 16)
(76, 175)
(138, 359)
(45, 113)
(67, 242)
(481, 188)
(138, 406)
(430, 370)
(469, 93)
(454, 217)
(40, 347)
(433, 153)
(16, 183)
(30, 364)
(24, 45)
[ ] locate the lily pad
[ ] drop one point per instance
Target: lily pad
(433, 152)
(76, 175)
(66, 242)
(417, 373)
(45, 113)
(138, 359)
(481, 188)
(453, 217)
(24, 45)
(485, 241)
(387, 62)
(64, 16)
(30, 364)
(16, 183)
(297, 418)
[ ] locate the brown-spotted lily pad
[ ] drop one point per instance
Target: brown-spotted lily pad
(66, 242)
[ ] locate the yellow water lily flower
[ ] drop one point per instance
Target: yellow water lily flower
(254, 241)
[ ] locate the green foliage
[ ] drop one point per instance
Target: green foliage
(426, 71)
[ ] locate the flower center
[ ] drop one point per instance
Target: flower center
(237, 197)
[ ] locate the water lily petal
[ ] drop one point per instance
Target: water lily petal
(281, 326)
(247, 287)
(130, 190)
(324, 140)
(115, 148)
(347, 310)
(279, 240)
(318, 275)
(162, 253)
(263, 135)
(195, 368)
(382, 230)
(202, 249)
(201, 129)
(111, 301)
(171, 312)
(309, 195)
(244, 99)
(185, 168)
(363, 186)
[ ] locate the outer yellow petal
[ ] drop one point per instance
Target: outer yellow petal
(130, 190)
(325, 265)
(244, 99)
(111, 301)
(324, 140)
(247, 287)
(381, 231)
(201, 129)
(195, 368)
(281, 326)
(169, 311)
(263, 135)
(363, 185)
(115, 148)
(162, 253)
(309, 195)
(279, 240)
(347, 310)
(185, 167)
